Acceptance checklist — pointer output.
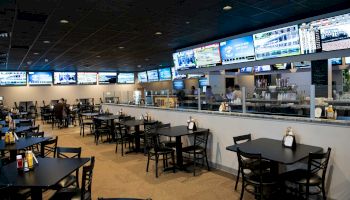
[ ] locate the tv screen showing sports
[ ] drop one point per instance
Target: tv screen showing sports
(126, 78)
(207, 56)
(262, 68)
(246, 70)
(302, 64)
(142, 77)
(203, 82)
(184, 60)
(164, 74)
(87, 78)
(277, 43)
(347, 60)
(13, 78)
(39, 78)
(64, 78)
(107, 77)
(281, 66)
(152, 75)
(237, 50)
(194, 75)
(178, 84)
(336, 61)
(176, 74)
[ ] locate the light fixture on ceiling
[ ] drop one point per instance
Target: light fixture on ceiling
(29, 62)
(98, 56)
(158, 33)
(146, 59)
(36, 53)
(139, 66)
(64, 21)
(226, 8)
(46, 60)
(121, 47)
(187, 22)
(46, 42)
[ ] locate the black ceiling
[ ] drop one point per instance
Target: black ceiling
(98, 29)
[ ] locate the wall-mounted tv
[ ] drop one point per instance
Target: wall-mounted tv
(246, 70)
(194, 76)
(87, 78)
(13, 78)
(347, 60)
(277, 43)
(262, 68)
(142, 77)
(208, 56)
(281, 66)
(178, 84)
(126, 78)
(64, 78)
(176, 74)
(203, 82)
(302, 64)
(237, 50)
(164, 74)
(107, 77)
(39, 78)
(184, 60)
(152, 75)
(336, 61)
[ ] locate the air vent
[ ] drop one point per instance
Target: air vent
(31, 17)
(4, 34)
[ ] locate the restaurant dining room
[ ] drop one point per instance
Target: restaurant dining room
(174, 100)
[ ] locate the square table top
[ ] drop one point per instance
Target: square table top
(136, 122)
(273, 150)
(90, 114)
(47, 173)
(176, 131)
(107, 117)
(22, 143)
(19, 129)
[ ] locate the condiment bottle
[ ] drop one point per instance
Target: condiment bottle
(19, 162)
(30, 159)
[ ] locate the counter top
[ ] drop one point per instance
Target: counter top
(248, 115)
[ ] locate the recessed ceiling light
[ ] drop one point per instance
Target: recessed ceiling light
(46, 42)
(158, 33)
(29, 62)
(187, 22)
(98, 56)
(139, 66)
(36, 53)
(64, 21)
(46, 60)
(227, 8)
(146, 59)
(121, 47)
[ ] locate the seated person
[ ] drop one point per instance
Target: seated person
(209, 95)
(237, 93)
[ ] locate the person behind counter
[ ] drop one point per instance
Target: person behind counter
(209, 96)
(229, 94)
(194, 91)
(237, 93)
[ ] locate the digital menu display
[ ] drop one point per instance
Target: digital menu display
(164, 74)
(178, 84)
(336, 61)
(263, 68)
(184, 60)
(281, 66)
(176, 74)
(39, 78)
(246, 70)
(203, 82)
(208, 56)
(107, 77)
(194, 75)
(237, 50)
(126, 78)
(152, 75)
(302, 64)
(13, 78)
(142, 77)
(347, 60)
(87, 78)
(277, 43)
(64, 78)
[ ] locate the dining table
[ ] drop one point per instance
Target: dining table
(18, 129)
(45, 174)
(178, 132)
(110, 121)
(275, 152)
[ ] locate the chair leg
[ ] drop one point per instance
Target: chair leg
(194, 164)
(242, 190)
(116, 147)
(156, 165)
(173, 160)
(122, 147)
(163, 157)
(148, 158)
(238, 174)
(206, 159)
(323, 192)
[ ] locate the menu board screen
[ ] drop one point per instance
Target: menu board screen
(263, 68)
(164, 74)
(39, 78)
(237, 50)
(152, 75)
(64, 78)
(13, 78)
(336, 61)
(107, 77)
(277, 43)
(87, 78)
(176, 74)
(208, 55)
(246, 70)
(178, 84)
(302, 64)
(347, 60)
(142, 77)
(184, 60)
(126, 78)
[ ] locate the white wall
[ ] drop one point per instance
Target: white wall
(223, 128)
(301, 79)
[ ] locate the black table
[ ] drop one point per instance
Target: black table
(178, 132)
(47, 173)
(20, 144)
(4, 123)
(26, 104)
(90, 114)
(136, 124)
(19, 129)
(110, 121)
(274, 151)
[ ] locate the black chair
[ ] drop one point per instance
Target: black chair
(27, 122)
(168, 142)
(122, 199)
(83, 123)
(49, 147)
(100, 129)
(83, 193)
(310, 177)
(35, 148)
(123, 137)
(198, 151)
(68, 152)
(238, 140)
(257, 180)
(156, 150)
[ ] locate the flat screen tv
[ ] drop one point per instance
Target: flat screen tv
(194, 76)
(39, 78)
(87, 78)
(126, 78)
(336, 61)
(302, 64)
(142, 77)
(277, 43)
(262, 68)
(203, 82)
(178, 84)
(152, 75)
(13, 78)
(64, 78)
(281, 66)
(164, 74)
(347, 60)
(176, 74)
(107, 77)
(184, 60)
(208, 56)
(246, 70)
(237, 50)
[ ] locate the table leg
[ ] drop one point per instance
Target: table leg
(36, 193)
(13, 154)
(274, 168)
(179, 159)
(113, 130)
(137, 138)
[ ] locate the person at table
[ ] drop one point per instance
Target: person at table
(229, 94)
(60, 110)
(209, 95)
(194, 91)
(237, 93)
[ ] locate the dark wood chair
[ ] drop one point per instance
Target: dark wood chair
(123, 137)
(49, 147)
(85, 123)
(238, 140)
